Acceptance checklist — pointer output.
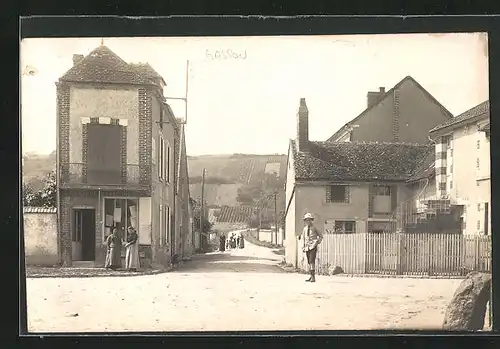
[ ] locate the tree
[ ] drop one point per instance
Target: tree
(207, 226)
(46, 197)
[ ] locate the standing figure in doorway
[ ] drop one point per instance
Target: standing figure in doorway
(132, 250)
(114, 247)
(312, 237)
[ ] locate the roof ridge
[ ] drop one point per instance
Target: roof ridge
(387, 94)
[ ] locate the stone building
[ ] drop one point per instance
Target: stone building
(121, 160)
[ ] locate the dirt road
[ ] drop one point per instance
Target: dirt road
(235, 290)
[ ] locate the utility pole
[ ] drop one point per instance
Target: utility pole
(275, 220)
(202, 209)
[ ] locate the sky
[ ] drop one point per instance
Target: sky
(244, 92)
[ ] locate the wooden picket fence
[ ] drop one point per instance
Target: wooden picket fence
(424, 254)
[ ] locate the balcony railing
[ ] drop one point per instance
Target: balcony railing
(79, 174)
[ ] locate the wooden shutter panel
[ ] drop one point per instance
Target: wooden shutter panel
(328, 193)
(346, 192)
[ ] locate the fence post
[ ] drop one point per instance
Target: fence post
(399, 255)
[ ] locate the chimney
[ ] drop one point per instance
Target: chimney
(374, 97)
(77, 58)
(303, 126)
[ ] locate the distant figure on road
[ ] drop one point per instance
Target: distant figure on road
(233, 242)
(222, 242)
(238, 239)
(312, 238)
(242, 242)
(114, 247)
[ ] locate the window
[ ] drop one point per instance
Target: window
(382, 190)
(451, 184)
(381, 200)
(337, 194)
(479, 207)
(478, 225)
(104, 160)
(477, 163)
(345, 227)
(121, 214)
(451, 168)
(478, 144)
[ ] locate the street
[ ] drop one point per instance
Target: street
(241, 290)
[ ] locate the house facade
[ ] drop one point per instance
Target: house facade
(463, 166)
(118, 142)
(405, 113)
(349, 187)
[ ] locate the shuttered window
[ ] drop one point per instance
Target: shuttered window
(104, 160)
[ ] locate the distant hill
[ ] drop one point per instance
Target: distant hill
(36, 167)
(226, 174)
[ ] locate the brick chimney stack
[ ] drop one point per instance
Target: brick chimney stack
(77, 58)
(303, 126)
(374, 97)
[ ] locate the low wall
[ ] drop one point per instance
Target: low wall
(270, 236)
(40, 236)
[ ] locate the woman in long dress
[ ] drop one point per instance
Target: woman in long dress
(132, 250)
(222, 242)
(114, 246)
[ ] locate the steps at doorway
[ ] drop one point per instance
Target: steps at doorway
(83, 264)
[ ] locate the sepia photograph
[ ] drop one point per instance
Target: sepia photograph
(256, 183)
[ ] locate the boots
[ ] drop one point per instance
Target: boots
(311, 278)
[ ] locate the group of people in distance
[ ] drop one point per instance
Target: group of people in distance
(234, 240)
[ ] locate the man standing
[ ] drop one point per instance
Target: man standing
(312, 238)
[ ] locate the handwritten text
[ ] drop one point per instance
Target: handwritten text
(225, 54)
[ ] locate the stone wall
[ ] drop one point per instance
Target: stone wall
(40, 236)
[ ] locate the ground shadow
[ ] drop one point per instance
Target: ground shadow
(280, 252)
(224, 262)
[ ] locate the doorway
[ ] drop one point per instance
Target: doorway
(83, 235)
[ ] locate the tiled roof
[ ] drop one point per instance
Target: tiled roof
(358, 161)
(384, 97)
(482, 109)
(424, 169)
(103, 65)
(146, 70)
(32, 209)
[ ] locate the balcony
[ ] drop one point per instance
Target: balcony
(77, 175)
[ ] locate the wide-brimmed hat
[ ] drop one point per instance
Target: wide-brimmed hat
(308, 216)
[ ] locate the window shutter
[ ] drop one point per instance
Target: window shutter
(159, 158)
(144, 221)
(161, 225)
(328, 193)
(346, 192)
(168, 164)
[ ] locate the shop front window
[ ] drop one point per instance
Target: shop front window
(120, 213)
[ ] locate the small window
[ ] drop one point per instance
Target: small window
(479, 207)
(478, 225)
(382, 190)
(478, 144)
(345, 227)
(477, 163)
(337, 194)
(451, 184)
